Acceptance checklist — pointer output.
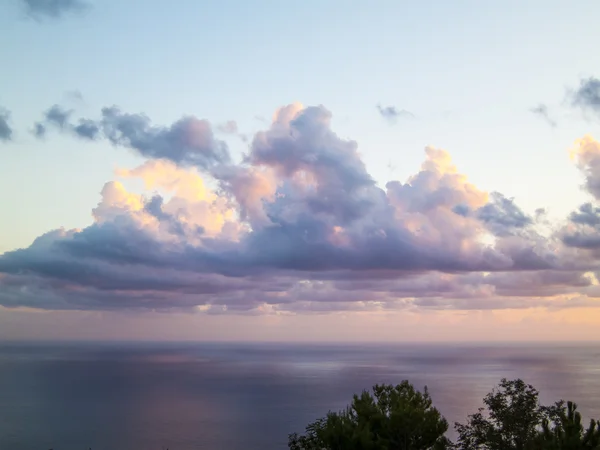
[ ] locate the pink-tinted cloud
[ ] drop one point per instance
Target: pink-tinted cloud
(299, 225)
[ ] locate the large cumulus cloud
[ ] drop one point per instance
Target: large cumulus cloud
(298, 225)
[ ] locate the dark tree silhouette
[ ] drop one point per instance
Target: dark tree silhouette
(401, 418)
(564, 430)
(393, 417)
(512, 420)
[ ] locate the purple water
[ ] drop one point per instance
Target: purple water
(250, 396)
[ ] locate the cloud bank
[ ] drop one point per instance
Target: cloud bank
(299, 225)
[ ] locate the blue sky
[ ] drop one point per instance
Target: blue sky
(470, 72)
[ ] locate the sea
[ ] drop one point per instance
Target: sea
(221, 396)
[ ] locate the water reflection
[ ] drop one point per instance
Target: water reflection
(188, 396)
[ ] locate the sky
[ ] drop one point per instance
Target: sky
(304, 171)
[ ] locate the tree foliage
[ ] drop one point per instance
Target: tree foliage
(510, 421)
(564, 430)
(402, 418)
(392, 417)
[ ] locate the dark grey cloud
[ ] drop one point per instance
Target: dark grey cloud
(589, 240)
(87, 129)
(541, 111)
(391, 113)
(174, 224)
(587, 214)
(189, 141)
(503, 216)
(119, 242)
(58, 116)
(585, 230)
(587, 95)
(155, 207)
(54, 9)
(462, 210)
(6, 132)
(55, 117)
(39, 130)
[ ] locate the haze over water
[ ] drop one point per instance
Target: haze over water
(187, 396)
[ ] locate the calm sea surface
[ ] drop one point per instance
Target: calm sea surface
(249, 396)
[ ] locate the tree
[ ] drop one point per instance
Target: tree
(512, 422)
(401, 418)
(393, 417)
(563, 430)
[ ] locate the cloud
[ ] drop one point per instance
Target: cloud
(39, 130)
(87, 129)
(541, 111)
(502, 216)
(56, 116)
(74, 95)
(298, 225)
(583, 228)
(229, 127)
(587, 96)
(188, 141)
(586, 154)
(54, 9)
(6, 132)
(391, 113)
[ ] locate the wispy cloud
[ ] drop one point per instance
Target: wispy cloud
(391, 113)
(54, 9)
(6, 131)
(229, 127)
(541, 111)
